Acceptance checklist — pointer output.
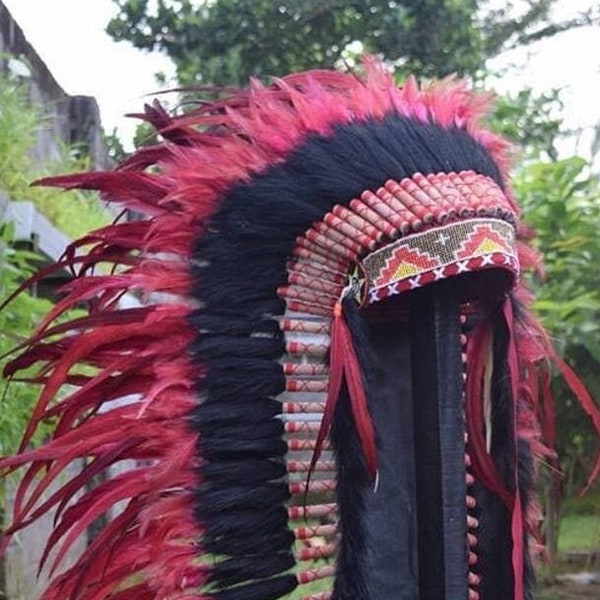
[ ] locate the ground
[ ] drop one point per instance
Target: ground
(569, 591)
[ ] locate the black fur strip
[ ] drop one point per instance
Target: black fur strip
(526, 481)
(245, 470)
(212, 418)
(249, 547)
(210, 347)
(216, 502)
(243, 522)
(233, 379)
(221, 324)
(352, 483)
(240, 260)
(269, 589)
(257, 563)
(494, 546)
(223, 448)
(252, 551)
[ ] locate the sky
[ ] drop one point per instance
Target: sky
(69, 36)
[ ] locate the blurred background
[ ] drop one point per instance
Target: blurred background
(127, 49)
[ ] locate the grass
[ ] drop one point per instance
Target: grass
(579, 532)
(309, 588)
(551, 594)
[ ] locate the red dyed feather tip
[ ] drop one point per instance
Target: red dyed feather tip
(345, 370)
(118, 387)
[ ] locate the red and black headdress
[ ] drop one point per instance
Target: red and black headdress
(330, 341)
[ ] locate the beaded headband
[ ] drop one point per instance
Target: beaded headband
(439, 253)
(403, 236)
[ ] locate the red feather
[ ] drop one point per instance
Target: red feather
(483, 466)
(517, 529)
(345, 368)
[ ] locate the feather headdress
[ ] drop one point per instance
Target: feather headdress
(290, 236)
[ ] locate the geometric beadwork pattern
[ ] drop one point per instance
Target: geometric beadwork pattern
(438, 253)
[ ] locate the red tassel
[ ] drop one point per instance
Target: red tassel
(344, 367)
(483, 466)
(517, 513)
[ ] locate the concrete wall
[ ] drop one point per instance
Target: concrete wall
(68, 119)
(20, 564)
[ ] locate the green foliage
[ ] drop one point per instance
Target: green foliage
(114, 146)
(18, 124)
(224, 42)
(579, 532)
(227, 41)
(73, 212)
(562, 203)
(532, 122)
(17, 320)
(588, 504)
